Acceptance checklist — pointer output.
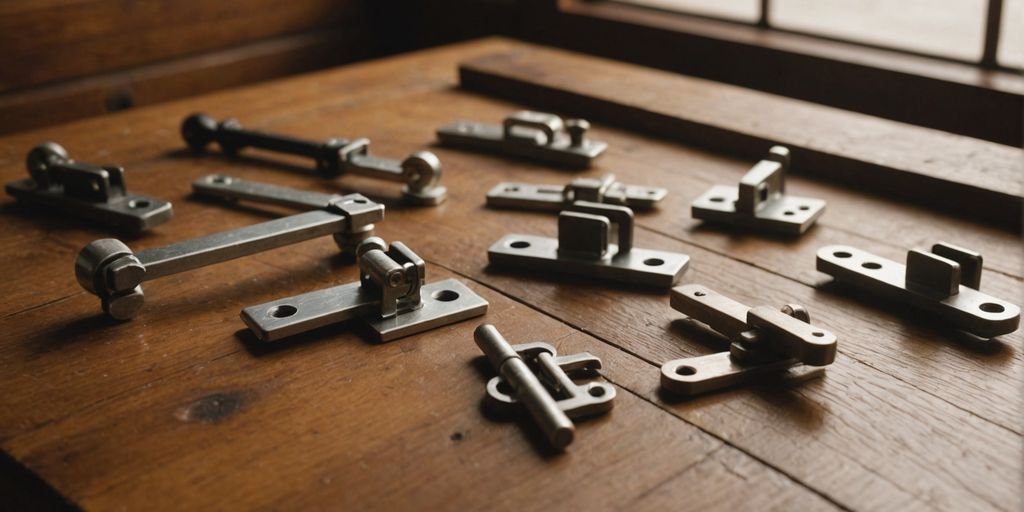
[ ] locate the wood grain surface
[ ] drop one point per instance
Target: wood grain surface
(181, 408)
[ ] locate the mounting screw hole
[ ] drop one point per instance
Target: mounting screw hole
(805, 207)
(789, 212)
(654, 262)
(221, 180)
(138, 203)
(699, 294)
(817, 334)
(445, 295)
(871, 265)
(717, 199)
(282, 311)
(652, 192)
(686, 370)
(512, 189)
(841, 254)
(992, 307)
(596, 391)
(519, 244)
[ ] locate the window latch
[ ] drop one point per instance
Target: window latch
(111, 270)
(528, 196)
(390, 296)
(534, 135)
(764, 341)
(420, 171)
(760, 201)
(535, 376)
(90, 191)
(945, 282)
(583, 247)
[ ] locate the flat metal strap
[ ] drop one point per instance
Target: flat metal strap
(696, 375)
(129, 212)
(787, 214)
(530, 196)
(643, 267)
(491, 137)
(969, 309)
(228, 187)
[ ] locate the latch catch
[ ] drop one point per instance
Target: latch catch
(528, 196)
(535, 376)
(86, 190)
(763, 341)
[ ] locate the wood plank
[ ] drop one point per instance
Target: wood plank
(936, 169)
(903, 419)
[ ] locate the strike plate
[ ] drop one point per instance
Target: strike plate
(529, 196)
(943, 282)
(697, 375)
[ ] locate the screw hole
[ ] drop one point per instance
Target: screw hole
(282, 311)
(841, 254)
(817, 334)
(992, 307)
(789, 212)
(512, 189)
(717, 199)
(871, 265)
(596, 391)
(652, 192)
(686, 370)
(519, 244)
(504, 388)
(445, 295)
(654, 262)
(699, 294)
(138, 203)
(805, 207)
(221, 180)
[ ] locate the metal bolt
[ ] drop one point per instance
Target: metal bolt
(125, 273)
(577, 129)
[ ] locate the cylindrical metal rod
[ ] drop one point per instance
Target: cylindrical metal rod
(241, 138)
(993, 25)
(528, 390)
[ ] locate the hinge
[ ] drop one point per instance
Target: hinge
(390, 296)
(583, 247)
(527, 196)
(535, 376)
(90, 191)
(944, 282)
(763, 341)
(534, 135)
(112, 271)
(760, 201)
(421, 171)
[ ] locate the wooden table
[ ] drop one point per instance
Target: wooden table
(179, 408)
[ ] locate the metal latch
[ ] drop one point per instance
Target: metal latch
(86, 190)
(420, 171)
(528, 196)
(109, 269)
(390, 296)
(535, 376)
(764, 341)
(583, 248)
(760, 201)
(944, 282)
(536, 135)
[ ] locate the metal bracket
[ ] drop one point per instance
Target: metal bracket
(112, 271)
(583, 248)
(527, 196)
(763, 341)
(760, 201)
(420, 171)
(390, 296)
(535, 376)
(944, 282)
(535, 135)
(86, 190)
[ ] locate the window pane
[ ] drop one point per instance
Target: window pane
(950, 28)
(741, 10)
(1011, 38)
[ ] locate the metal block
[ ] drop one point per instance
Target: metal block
(420, 171)
(583, 248)
(764, 341)
(760, 201)
(528, 196)
(533, 135)
(929, 282)
(87, 191)
(390, 297)
(535, 377)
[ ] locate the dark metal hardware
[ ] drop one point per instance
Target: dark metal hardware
(527, 196)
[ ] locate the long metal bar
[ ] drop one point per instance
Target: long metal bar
(217, 185)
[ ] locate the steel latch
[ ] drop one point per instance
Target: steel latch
(944, 282)
(763, 341)
(583, 247)
(112, 271)
(390, 296)
(535, 376)
(420, 171)
(86, 190)
(534, 135)
(760, 201)
(528, 196)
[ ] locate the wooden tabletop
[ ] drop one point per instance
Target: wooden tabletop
(180, 407)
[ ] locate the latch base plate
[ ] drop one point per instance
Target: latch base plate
(791, 215)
